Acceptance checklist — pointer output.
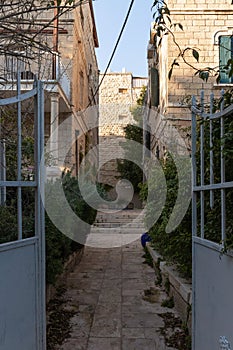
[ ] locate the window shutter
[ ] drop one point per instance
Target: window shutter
(154, 86)
(225, 53)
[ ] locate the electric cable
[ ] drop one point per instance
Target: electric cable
(113, 52)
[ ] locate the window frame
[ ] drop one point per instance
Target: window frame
(224, 77)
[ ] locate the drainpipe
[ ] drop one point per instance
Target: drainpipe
(54, 122)
(55, 41)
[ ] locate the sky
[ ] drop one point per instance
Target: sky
(132, 49)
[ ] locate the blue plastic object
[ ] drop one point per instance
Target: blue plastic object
(145, 237)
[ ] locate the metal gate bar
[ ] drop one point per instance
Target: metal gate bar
(19, 162)
(212, 270)
(223, 185)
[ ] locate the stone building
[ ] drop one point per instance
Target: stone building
(118, 93)
(68, 67)
(207, 28)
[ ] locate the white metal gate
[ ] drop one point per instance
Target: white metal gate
(22, 270)
(212, 225)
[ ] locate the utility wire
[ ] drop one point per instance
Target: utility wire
(113, 52)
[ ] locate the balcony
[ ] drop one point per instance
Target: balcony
(47, 67)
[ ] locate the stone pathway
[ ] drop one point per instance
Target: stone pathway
(107, 289)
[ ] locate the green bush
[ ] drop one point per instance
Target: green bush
(58, 245)
(176, 246)
(8, 224)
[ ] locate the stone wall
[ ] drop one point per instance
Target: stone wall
(203, 22)
(118, 94)
(109, 151)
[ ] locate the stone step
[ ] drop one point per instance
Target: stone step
(120, 215)
(119, 224)
(113, 240)
(119, 220)
(134, 223)
(121, 231)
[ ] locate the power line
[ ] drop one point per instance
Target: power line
(113, 52)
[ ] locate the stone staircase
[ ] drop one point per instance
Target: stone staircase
(114, 228)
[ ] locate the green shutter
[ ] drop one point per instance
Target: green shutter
(225, 53)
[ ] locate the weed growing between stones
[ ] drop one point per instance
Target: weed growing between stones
(152, 295)
(58, 320)
(168, 303)
(176, 334)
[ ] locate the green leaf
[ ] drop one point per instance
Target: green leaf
(218, 79)
(166, 10)
(195, 54)
(180, 26)
(160, 41)
(204, 75)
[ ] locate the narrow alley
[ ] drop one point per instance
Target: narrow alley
(116, 302)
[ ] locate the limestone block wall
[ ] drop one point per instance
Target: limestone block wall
(118, 93)
(109, 151)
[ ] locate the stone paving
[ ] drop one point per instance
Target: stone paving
(108, 291)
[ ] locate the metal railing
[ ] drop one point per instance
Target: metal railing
(41, 67)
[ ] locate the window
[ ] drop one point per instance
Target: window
(123, 91)
(122, 116)
(82, 16)
(154, 86)
(225, 53)
(81, 86)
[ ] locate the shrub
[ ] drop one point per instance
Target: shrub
(58, 245)
(176, 246)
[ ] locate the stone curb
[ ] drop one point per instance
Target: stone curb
(180, 288)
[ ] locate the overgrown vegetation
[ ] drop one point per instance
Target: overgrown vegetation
(58, 246)
(177, 245)
(58, 324)
(169, 302)
(212, 208)
(175, 332)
